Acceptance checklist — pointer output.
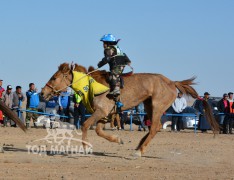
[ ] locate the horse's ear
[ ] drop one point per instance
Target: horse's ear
(72, 66)
(64, 68)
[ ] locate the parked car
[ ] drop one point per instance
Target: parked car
(190, 118)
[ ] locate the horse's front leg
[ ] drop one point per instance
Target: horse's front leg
(101, 133)
(95, 117)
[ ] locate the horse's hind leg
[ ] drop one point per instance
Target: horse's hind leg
(155, 116)
(101, 133)
(149, 136)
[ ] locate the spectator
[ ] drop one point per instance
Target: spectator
(203, 123)
(117, 120)
(79, 110)
(51, 104)
(32, 104)
(1, 91)
(64, 104)
(18, 98)
(122, 120)
(7, 98)
(229, 120)
(224, 107)
(147, 122)
(178, 106)
(140, 110)
(42, 104)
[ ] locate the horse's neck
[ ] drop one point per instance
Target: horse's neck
(100, 78)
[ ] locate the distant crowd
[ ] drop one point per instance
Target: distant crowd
(223, 111)
(61, 105)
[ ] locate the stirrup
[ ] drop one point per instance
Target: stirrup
(119, 104)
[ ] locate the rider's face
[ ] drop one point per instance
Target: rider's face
(105, 45)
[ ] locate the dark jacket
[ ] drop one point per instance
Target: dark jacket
(201, 108)
(203, 123)
(221, 107)
(113, 58)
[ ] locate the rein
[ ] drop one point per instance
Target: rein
(57, 92)
(68, 85)
(128, 73)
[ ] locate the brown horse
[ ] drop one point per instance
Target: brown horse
(155, 90)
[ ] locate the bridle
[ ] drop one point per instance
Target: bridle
(57, 91)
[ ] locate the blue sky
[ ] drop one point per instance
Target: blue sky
(176, 38)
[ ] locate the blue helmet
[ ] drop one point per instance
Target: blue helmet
(108, 38)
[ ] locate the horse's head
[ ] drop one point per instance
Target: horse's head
(58, 82)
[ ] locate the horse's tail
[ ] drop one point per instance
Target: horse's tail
(11, 115)
(186, 88)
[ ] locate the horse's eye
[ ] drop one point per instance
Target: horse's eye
(53, 78)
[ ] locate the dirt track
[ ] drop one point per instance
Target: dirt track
(169, 156)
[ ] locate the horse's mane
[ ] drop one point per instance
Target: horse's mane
(80, 68)
(99, 76)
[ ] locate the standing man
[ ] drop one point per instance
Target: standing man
(18, 98)
(1, 91)
(64, 104)
(224, 107)
(230, 119)
(51, 104)
(79, 110)
(1, 88)
(32, 104)
(7, 98)
(203, 123)
(178, 106)
(139, 110)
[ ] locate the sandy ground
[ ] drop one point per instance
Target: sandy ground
(181, 155)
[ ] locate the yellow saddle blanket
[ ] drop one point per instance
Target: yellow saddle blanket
(87, 88)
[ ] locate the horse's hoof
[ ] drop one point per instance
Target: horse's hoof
(134, 156)
(1, 149)
(137, 154)
(120, 141)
